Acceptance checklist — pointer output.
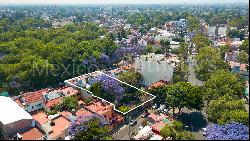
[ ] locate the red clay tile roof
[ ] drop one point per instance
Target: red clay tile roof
(61, 124)
(157, 84)
(127, 67)
(53, 102)
(40, 117)
(158, 126)
(70, 91)
(31, 97)
(83, 112)
(32, 134)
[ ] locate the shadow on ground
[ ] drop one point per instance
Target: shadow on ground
(194, 120)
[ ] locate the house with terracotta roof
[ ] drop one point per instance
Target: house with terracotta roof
(157, 84)
(55, 97)
(55, 126)
(31, 101)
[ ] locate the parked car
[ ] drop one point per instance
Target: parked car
(144, 115)
(133, 123)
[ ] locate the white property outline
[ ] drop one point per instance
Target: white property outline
(101, 73)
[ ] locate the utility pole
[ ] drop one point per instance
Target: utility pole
(129, 130)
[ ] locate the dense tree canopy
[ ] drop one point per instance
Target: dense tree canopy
(37, 57)
(245, 46)
(175, 131)
(226, 110)
(243, 57)
(208, 61)
(183, 94)
(200, 41)
(159, 92)
(131, 77)
(223, 83)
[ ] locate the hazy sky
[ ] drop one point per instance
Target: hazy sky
(116, 1)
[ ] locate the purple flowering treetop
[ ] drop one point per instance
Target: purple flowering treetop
(81, 124)
(232, 131)
(90, 60)
(111, 86)
(122, 51)
(104, 58)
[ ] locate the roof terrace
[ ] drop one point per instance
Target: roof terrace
(84, 82)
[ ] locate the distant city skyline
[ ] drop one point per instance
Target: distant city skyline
(118, 1)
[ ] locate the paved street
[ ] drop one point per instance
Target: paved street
(191, 78)
(195, 120)
(122, 134)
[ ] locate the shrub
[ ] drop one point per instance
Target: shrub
(123, 108)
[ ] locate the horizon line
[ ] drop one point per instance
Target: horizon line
(200, 3)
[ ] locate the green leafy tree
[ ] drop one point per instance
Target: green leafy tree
(167, 131)
(165, 45)
(131, 77)
(243, 57)
(236, 34)
(245, 46)
(149, 49)
(200, 41)
(96, 89)
(183, 49)
(175, 131)
(227, 109)
(193, 23)
(223, 50)
(223, 83)
(69, 103)
(183, 94)
(235, 115)
(123, 108)
(208, 61)
(159, 92)
(185, 135)
(177, 125)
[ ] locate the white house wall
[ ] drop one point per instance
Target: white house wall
(154, 71)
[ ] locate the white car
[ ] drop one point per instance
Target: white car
(204, 131)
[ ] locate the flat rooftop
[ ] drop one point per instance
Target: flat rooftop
(88, 79)
(32, 134)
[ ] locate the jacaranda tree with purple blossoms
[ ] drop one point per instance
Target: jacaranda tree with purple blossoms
(232, 131)
(93, 63)
(110, 87)
(92, 127)
(122, 52)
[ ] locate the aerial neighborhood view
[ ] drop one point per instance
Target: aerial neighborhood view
(124, 70)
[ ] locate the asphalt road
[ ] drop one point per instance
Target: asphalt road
(192, 78)
(123, 133)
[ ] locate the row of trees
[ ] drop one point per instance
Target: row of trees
(179, 95)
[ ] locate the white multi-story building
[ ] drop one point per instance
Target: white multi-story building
(211, 30)
(222, 31)
(156, 67)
